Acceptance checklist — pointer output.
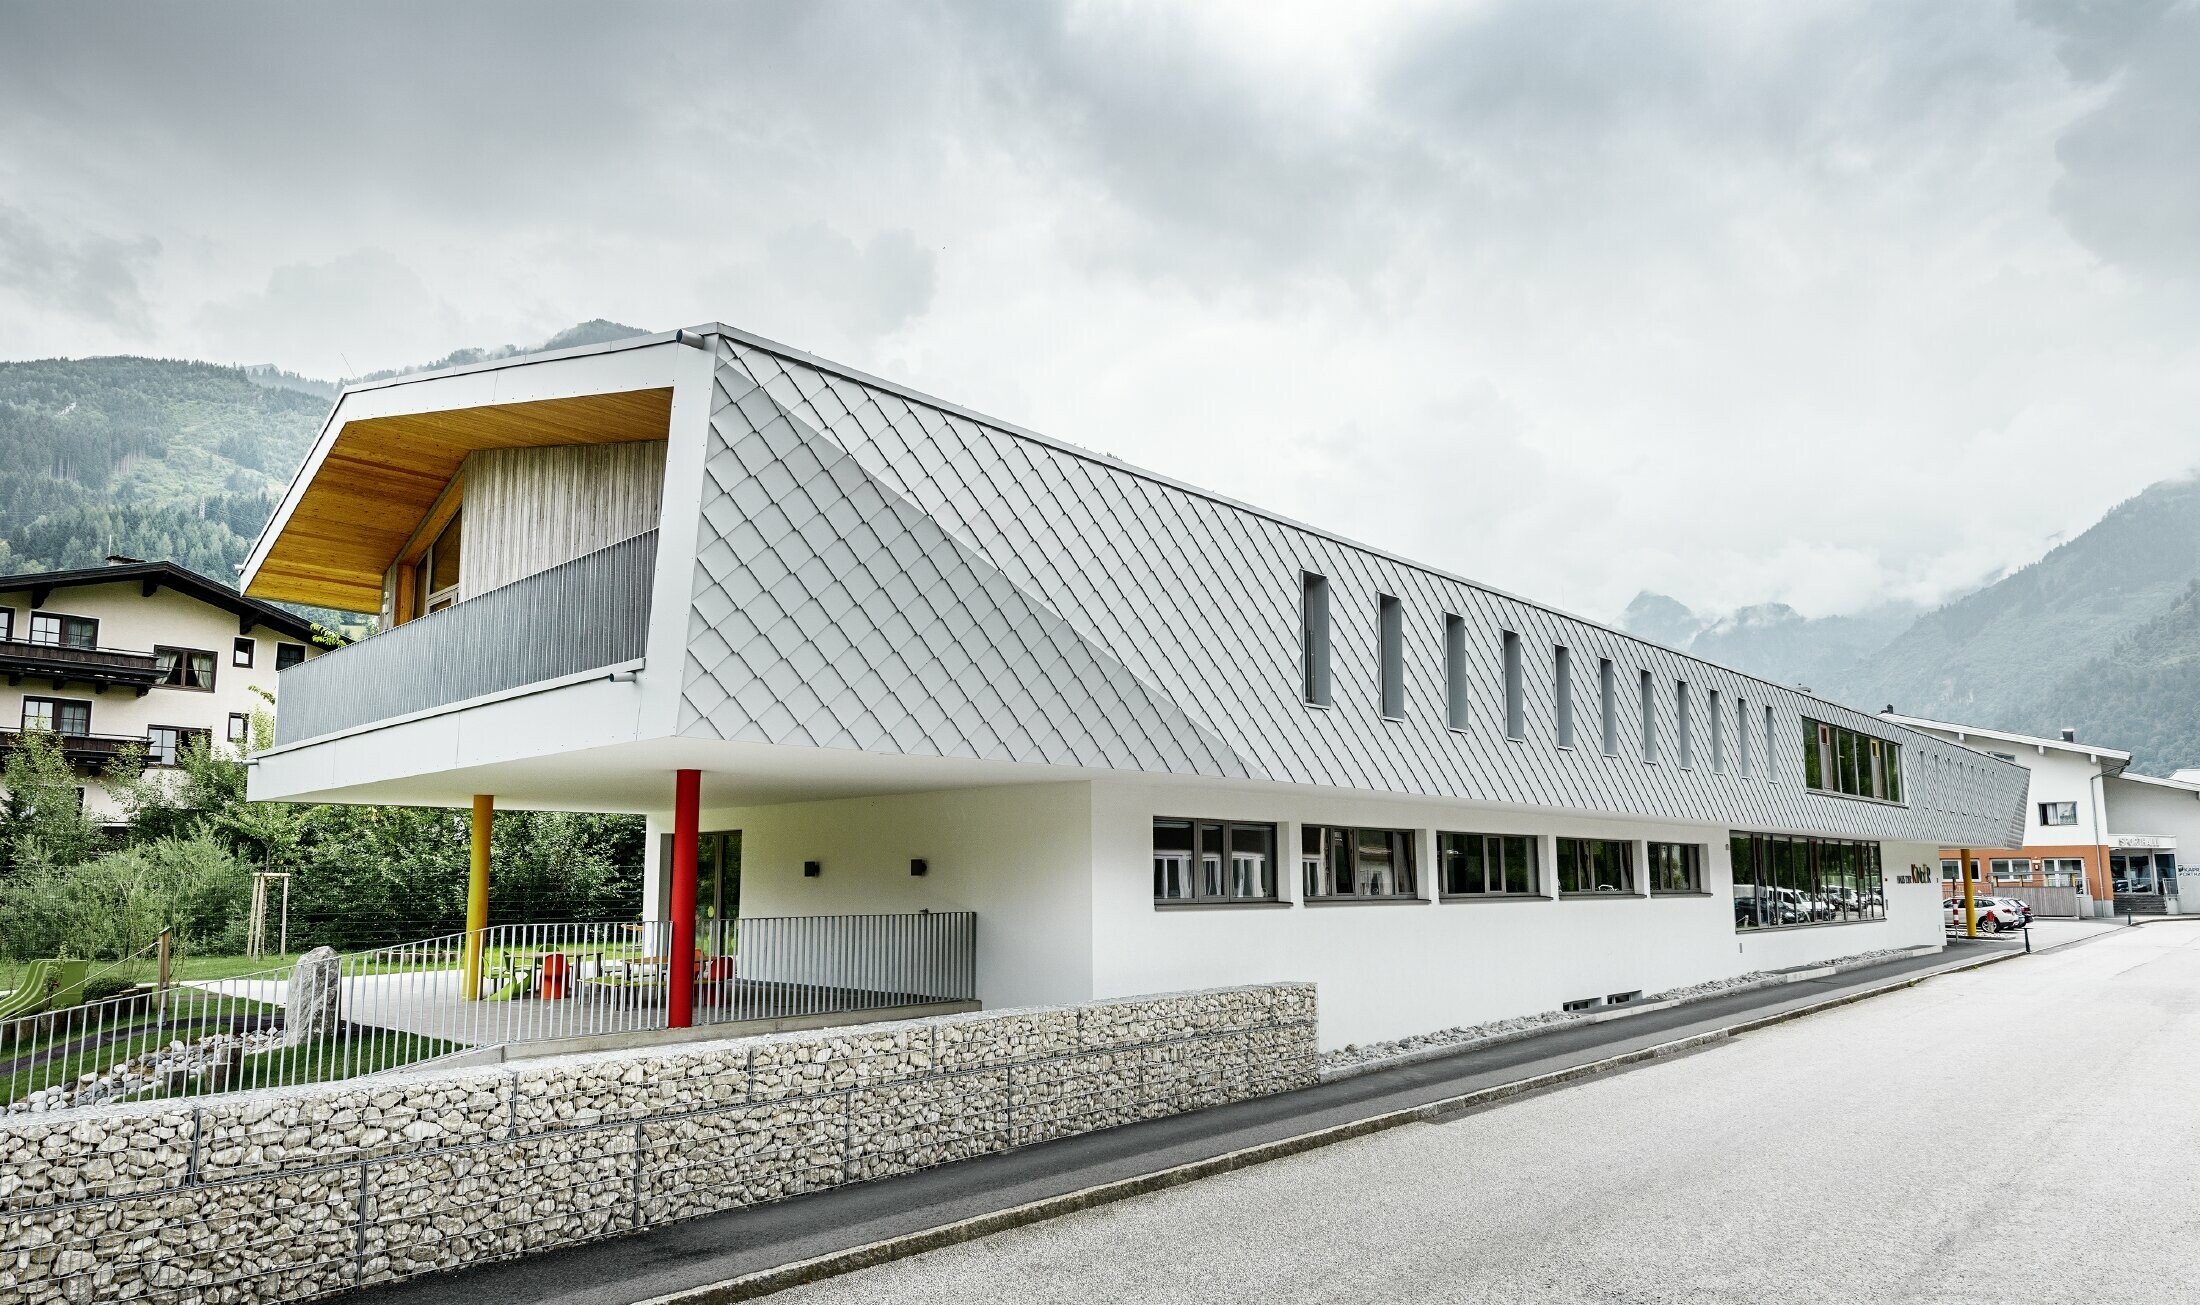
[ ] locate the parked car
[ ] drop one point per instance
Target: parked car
(1994, 914)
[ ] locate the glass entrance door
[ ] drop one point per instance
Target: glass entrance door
(717, 885)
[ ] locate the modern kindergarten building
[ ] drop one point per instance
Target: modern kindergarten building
(853, 649)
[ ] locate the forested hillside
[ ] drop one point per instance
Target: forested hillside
(161, 459)
(142, 456)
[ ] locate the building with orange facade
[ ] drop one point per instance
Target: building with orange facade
(2098, 838)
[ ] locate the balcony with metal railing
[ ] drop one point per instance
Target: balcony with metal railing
(587, 614)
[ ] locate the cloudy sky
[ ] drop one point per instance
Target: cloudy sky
(1821, 302)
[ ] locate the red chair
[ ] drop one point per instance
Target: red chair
(554, 968)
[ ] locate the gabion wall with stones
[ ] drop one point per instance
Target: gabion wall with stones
(299, 1192)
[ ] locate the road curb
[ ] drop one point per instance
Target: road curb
(764, 1282)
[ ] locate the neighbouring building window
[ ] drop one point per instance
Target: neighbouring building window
(1487, 865)
(1595, 865)
(1516, 693)
(240, 727)
(1391, 646)
(1675, 867)
(1356, 863)
(1314, 639)
(57, 631)
(1213, 861)
(1562, 692)
(186, 668)
(2058, 813)
(2007, 868)
(7, 623)
(57, 715)
(2062, 872)
(1782, 880)
(1948, 870)
(1846, 761)
(164, 744)
(241, 652)
(1455, 671)
(1717, 722)
(288, 655)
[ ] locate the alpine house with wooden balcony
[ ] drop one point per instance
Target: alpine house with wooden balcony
(853, 649)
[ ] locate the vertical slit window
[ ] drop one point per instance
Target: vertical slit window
(1741, 735)
(1685, 739)
(1391, 628)
(1516, 704)
(1314, 638)
(1608, 705)
(1562, 693)
(1718, 735)
(1455, 672)
(1772, 754)
(1649, 718)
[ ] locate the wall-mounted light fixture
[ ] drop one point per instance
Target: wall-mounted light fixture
(917, 867)
(811, 869)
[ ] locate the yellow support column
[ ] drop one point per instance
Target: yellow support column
(477, 892)
(1970, 893)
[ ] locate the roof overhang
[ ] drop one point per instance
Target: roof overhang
(388, 451)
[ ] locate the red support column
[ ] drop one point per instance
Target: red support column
(687, 788)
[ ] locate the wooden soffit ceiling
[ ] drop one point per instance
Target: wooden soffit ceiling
(382, 475)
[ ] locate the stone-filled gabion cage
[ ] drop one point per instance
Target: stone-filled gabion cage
(300, 1192)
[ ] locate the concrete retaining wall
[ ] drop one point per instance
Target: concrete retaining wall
(298, 1192)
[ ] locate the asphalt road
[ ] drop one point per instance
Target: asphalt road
(2024, 1132)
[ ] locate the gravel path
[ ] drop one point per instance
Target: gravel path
(1809, 1162)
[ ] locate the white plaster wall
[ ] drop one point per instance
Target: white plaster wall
(1394, 969)
(1018, 856)
(2057, 776)
(130, 620)
(2138, 810)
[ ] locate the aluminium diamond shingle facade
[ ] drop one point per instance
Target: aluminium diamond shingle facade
(880, 571)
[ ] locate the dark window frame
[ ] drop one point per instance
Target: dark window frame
(63, 620)
(288, 655)
(1849, 763)
(1456, 868)
(1832, 880)
(1581, 861)
(243, 650)
(1217, 890)
(2051, 808)
(1321, 863)
(23, 720)
(166, 756)
(1674, 869)
(7, 624)
(239, 728)
(182, 667)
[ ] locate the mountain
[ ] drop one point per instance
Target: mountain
(2004, 656)
(160, 458)
(2101, 634)
(1771, 640)
(2142, 695)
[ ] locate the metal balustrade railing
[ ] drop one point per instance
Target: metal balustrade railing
(439, 999)
(578, 616)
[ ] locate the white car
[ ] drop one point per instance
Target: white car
(1994, 914)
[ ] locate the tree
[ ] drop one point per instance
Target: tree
(42, 821)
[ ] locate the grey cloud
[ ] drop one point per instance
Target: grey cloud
(2130, 184)
(93, 276)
